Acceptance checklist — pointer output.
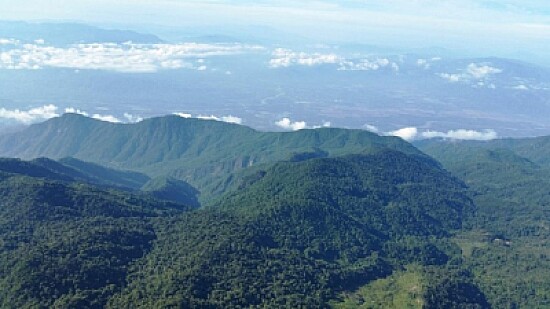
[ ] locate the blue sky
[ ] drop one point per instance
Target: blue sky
(485, 27)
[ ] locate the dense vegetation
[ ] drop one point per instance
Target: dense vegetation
(506, 245)
(314, 218)
(66, 243)
(303, 232)
(296, 234)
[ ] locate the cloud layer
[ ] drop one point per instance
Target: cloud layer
(413, 133)
(49, 111)
(126, 57)
(282, 58)
(462, 134)
(408, 133)
(31, 115)
(228, 118)
(474, 72)
(288, 124)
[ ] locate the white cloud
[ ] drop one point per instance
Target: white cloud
(453, 78)
(286, 57)
(368, 65)
(479, 71)
(50, 111)
(39, 41)
(423, 63)
(462, 134)
(228, 119)
(72, 110)
(427, 63)
(521, 87)
(395, 67)
(371, 128)
(126, 57)
(473, 73)
(287, 124)
(183, 115)
(282, 58)
(31, 115)
(407, 134)
(132, 118)
(412, 133)
(325, 124)
(8, 41)
(106, 118)
(109, 118)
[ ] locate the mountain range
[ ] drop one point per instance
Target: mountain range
(179, 212)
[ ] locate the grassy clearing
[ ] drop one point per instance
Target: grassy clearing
(403, 289)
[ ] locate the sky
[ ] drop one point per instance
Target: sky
(484, 27)
(491, 25)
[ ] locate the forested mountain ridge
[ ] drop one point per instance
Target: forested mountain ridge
(193, 150)
(325, 213)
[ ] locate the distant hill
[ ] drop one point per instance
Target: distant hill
(193, 150)
(70, 33)
(535, 149)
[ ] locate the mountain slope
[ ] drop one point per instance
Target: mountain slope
(70, 169)
(65, 243)
(302, 232)
(506, 244)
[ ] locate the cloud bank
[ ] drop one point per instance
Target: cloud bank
(288, 124)
(107, 118)
(283, 58)
(30, 116)
(408, 134)
(228, 118)
(126, 57)
(462, 134)
(413, 133)
(49, 111)
(472, 73)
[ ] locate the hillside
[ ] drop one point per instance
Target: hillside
(506, 243)
(65, 243)
(303, 232)
(314, 227)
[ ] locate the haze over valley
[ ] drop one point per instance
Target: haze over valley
(125, 76)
